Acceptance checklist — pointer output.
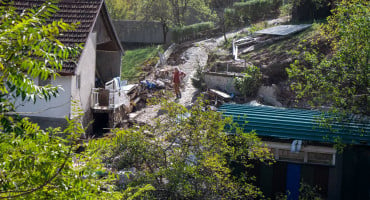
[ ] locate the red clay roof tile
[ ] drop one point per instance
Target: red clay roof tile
(83, 11)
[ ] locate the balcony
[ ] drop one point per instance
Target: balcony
(105, 99)
(110, 97)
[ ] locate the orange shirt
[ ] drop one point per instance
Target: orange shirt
(176, 76)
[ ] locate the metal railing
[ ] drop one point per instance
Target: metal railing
(107, 99)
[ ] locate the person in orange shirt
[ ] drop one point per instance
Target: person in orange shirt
(177, 76)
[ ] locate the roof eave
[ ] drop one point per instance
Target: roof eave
(115, 36)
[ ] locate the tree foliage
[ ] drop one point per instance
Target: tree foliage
(173, 13)
(224, 13)
(124, 9)
(29, 50)
(341, 78)
(249, 84)
(35, 163)
(187, 154)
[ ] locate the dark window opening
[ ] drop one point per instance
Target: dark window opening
(101, 123)
(44, 82)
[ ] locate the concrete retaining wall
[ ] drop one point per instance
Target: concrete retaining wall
(220, 81)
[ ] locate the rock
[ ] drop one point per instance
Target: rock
(268, 95)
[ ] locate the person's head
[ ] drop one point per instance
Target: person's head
(176, 69)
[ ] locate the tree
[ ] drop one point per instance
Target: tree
(123, 9)
(220, 7)
(172, 13)
(249, 84)
(181, 8)
(339, 79)
(189, 154)
(35, 163)
(158, 10)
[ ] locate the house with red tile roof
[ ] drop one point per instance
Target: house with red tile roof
(99, 62)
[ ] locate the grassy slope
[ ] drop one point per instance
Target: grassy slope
(134, 60)
(290, 48)
(282, 49)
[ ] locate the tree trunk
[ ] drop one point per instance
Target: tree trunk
(165, 31)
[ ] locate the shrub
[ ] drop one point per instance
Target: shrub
(198, 80)
(248, 85)
(286, 9)
(188, 154)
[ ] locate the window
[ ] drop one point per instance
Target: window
(43, 82)
(78, 81)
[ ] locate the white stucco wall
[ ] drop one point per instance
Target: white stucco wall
(86, 71)
(61, 106)
(220, 82)
(57, 107)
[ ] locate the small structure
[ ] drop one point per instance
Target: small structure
(97, 65)
(305, 151)
(110, 104)
(284, 30)
(265, 37)
(221, 76)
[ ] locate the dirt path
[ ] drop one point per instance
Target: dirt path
(194, 57)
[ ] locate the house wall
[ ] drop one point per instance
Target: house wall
(52, 112)
(108, 64)
(85, 72)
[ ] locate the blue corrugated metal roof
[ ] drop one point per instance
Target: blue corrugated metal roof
(287, 123)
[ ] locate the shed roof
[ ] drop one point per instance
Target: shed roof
(72, 11)
(287, 123)
(283, 30)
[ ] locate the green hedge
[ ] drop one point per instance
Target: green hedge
(191, 31)
(255, 10)
(233, 19)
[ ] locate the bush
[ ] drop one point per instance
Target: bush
(198, 80)
(181, 33)
(187, 154)
(248, 85)
(286, 9)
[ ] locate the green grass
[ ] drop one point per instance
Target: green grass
(133, 60)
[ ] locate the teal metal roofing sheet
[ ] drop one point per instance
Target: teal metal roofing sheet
(287, 123)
